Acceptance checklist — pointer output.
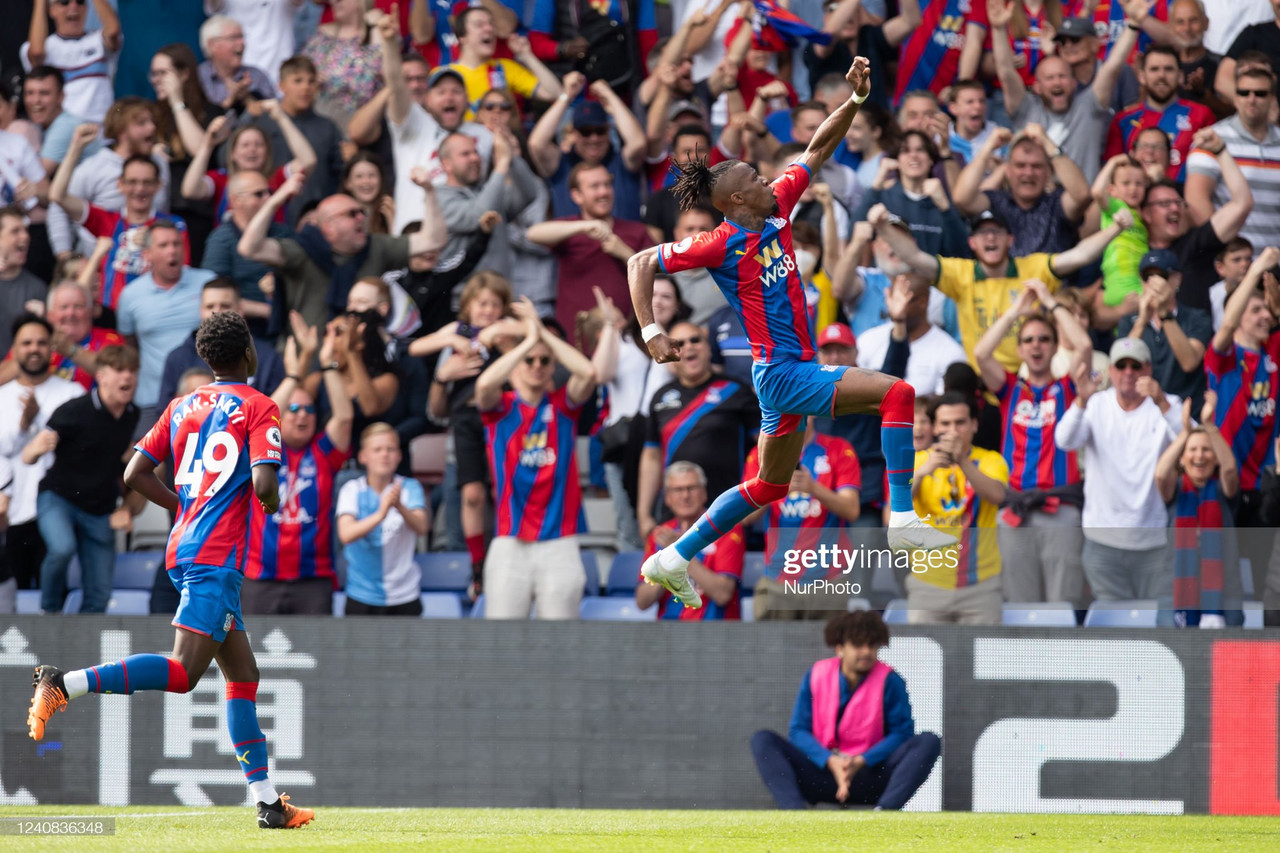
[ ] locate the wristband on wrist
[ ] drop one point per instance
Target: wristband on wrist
(1135, 27)
(858, 99)
(294, 377)
(650, 332)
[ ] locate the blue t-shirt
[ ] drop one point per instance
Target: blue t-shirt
(380, 567)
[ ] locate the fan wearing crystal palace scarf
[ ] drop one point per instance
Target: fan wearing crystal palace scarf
(751, 258)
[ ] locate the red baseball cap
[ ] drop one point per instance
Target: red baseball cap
(837, 333)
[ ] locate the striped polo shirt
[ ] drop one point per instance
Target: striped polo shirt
(1260, 163)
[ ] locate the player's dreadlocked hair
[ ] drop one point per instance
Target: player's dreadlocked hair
(695, 181)
(222, 339)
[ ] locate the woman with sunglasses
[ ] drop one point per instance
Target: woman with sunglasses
(363, 180)
(248, 149)
(531, 434)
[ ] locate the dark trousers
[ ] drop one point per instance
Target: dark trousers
(796, 782)
(306, 597)
(359, 608)
(26, 553)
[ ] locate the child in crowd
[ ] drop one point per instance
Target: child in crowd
(1197, 477)
(380, 517)
(1231, 263)
(466, 347)
(1121, 185)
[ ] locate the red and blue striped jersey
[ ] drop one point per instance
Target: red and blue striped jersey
(1109, 21)
(126, 260)
(1179, 121)
(930, 57)
(1029, 415)
(297, 542)
(757, 273)
(219, 179)
(1245, 382)
(724, 557)
(1199, 554)
(1028, 47)
(535, 474)
(216, 435)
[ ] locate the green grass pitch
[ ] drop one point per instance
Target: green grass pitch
(168, 829)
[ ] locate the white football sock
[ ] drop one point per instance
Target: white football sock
(76, 682)
(263, 792)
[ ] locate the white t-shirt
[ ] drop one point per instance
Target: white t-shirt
(87, 67)
(380, 567)
(931, 355)
(1122, 507)
(50, 394)
(1218, 303)
(18, 160)
(417, 143)
(268, 31)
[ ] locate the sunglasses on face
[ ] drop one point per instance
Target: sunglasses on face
(353, 213)
(1069, 39)
(593, 131)
(692, 339)
(294, 408)
(69, 2)
(1167, 203)
(1257, 93)
(538, 360)
(496, 105)
(1125, 365)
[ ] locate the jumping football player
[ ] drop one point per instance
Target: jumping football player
(225, 441)
(750, 257)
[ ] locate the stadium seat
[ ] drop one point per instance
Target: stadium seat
(591, 565)
(1252, 614)
(624, 573)
(444, 571)
(440, 605)
(858, 604)
(748, 610)
(895, 612)
(339, 604)
(427, 457)
(1121, 614)
(28, 602)
(752, 569)
(123, 602)
(150, 529)
(616, 609)
(137, 569)
(1057, 614)
(884, 585)
(477, 609)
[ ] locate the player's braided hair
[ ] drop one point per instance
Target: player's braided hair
(695, 181)
(222, 339)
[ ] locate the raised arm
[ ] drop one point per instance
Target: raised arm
(304, 156)
(902, 243)
(489, 383)
(629, 129)
(1090, 248)
(967, 192)
(1230, 218)
(254, 243)
(705, 29)
(422, 24)
(1104, 82)
(196, 185)
(999, 13)
(38, 33)
(111, 35)
(544, 150)
(846, 284)
(641, 270)
(1167, 467)
(897, 28)
(831, 132)
(582, 380)
(74, 206)
(548, 84)
(984, 352)
(1233, 312)
(556, 231)
(399, 101)
(1069, 328)
(435, 233)
(842, 15)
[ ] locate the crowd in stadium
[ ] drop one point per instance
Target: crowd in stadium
(1056, 220)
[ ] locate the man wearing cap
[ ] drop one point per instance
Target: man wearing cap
(420, 113)
(592, 143)
(525, 75)
(1075, 119)
(1175, 335)
(982, 288)
(1077, 42)
(1163, 109)
(1124, 429)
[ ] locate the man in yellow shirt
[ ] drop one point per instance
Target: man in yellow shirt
(525, 76)
(986, 287)
(958, 488)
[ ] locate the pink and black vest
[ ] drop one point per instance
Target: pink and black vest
(862, 725)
